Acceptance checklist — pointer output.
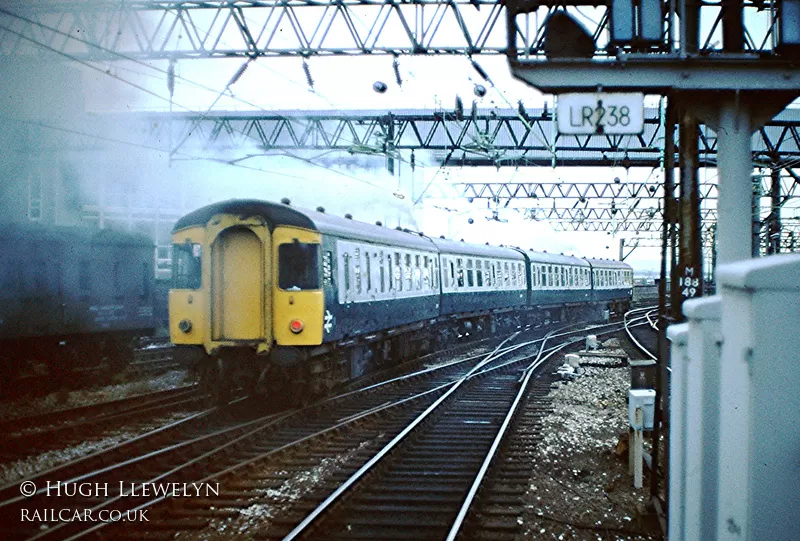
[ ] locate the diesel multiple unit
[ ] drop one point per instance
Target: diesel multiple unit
(268, 294)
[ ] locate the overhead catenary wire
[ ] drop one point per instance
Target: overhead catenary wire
(171, 74)
(169, 100)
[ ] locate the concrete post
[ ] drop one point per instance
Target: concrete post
(759, 487)
(677, 335)
(702, 416)
(735, 184)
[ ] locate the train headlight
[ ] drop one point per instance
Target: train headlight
(296, 326)
(185, 326)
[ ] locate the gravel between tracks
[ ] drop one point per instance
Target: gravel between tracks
(82, 397)
(22, 468)
(258, 515)
(581, 489)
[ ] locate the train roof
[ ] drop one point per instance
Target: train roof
(559, 259)
(447, 246)
(273, 213)
(353, 229)
(279, 214)
(608, 264)
(71, 234)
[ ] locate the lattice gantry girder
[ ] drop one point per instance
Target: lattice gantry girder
(481, 137)
(224, 28)
(239, 28)
(759, 32)
(606, 190)
(605, 219)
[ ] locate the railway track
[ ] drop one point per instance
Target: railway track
(413, 487)
(153, 357)
(250, 459)
(33, 434)
(163, 453)
(641, 326)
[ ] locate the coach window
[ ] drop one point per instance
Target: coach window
(357, 269)
(389, 272)
(460, 272)
(470, 274)
(346, 271)
(417, 273)
(186, 267)
(449, 273)
(382, 271)
(409, 281)
(368, 271)
(479, 272)
(396, 277)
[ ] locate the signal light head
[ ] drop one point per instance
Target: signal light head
(296, 326)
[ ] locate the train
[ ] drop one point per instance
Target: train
(267, 297)
(71, 298)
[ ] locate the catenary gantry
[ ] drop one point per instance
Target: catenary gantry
(176, 29)
(496, 137)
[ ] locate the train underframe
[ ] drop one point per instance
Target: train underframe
(298, 375)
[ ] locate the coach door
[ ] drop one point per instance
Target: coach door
(237, 284)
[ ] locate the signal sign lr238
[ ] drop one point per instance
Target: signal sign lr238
(600, 113)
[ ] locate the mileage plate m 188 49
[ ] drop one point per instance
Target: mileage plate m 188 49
(600, 113)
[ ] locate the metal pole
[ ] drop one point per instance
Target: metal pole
(735, 183)
(756, 213)
(690, 258)
(774, 225)
(667, 233)
(714, 256)
(732, 26)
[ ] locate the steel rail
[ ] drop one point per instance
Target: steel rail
(473, 491)
(310, 518)
(633, 338)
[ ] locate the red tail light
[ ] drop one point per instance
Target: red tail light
(296, 326)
